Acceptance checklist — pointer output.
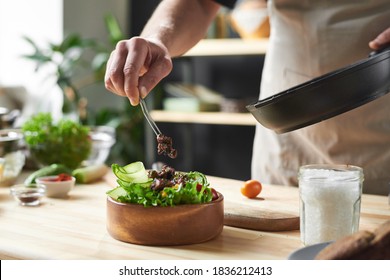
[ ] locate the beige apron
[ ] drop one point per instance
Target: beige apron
(308, 39)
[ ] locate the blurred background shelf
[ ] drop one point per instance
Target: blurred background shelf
(216, 118)
(215, 142)
(228, 46)
(227, 49)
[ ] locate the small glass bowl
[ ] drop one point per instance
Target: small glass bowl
(103, 138)
(28, 195)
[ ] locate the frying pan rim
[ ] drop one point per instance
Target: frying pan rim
(318, 81)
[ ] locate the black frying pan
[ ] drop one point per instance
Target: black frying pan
(326, 96)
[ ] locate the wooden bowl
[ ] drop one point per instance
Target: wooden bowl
(163, 226)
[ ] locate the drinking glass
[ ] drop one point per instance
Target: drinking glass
(330, 198)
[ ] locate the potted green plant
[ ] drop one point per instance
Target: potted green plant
(66, 142)
(74, 53)
(71, 55)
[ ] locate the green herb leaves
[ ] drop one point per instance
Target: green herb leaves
(66, 142)
(183, 188)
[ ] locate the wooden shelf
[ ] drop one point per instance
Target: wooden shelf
(221, 47)
(217, 118)
(205, 48)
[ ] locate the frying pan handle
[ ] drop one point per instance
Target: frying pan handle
(381, 50)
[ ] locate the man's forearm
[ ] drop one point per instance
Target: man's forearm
(180, 24)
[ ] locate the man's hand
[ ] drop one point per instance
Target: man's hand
(135, 67)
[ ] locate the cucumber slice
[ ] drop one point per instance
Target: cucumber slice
(134, 172)
(116, 192)
(134, 167)
(88, 174)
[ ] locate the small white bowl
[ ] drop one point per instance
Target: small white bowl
(56, 189)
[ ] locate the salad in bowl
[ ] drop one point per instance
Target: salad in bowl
(165, 207)
(167, 187)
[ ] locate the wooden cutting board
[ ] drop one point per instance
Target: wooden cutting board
(275, 209)
(259, 218)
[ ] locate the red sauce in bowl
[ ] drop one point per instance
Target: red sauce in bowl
(59, 178)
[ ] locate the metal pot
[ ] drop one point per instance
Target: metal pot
(10, 141)
(8, 117)
(12, 157)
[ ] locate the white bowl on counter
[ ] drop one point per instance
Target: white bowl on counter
(56, 189)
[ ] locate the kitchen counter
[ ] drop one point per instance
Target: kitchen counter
(75, 228)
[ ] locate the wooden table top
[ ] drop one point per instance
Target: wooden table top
(75, 228)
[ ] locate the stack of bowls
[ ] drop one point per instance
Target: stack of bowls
(12, 157)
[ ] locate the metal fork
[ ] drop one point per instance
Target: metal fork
(151, 122)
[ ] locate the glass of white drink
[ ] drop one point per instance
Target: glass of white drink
(330, 197)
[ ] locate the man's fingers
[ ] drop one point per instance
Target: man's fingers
(135, 67)
(381, 40)
(107, 77)
(156, 72)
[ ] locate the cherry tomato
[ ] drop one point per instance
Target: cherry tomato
(215, 194)
(213, 191)
(251, 188)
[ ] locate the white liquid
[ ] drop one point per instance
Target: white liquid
(330, 204)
